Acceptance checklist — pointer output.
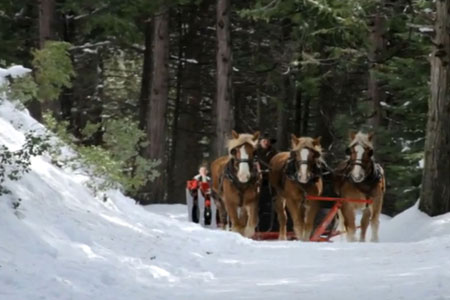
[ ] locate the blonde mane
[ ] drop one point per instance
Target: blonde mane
(307, 142)
(242, 139)
(362, 139)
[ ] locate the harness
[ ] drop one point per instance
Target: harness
(369, 181)
(292, 166)
(230, 174)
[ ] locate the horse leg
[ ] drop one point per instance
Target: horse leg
(252, 219)
(222, 214)
(295, 208)
(311, 212)
(243, 216)
(280, 204)
(374, 221)
(232, 210)
(349, 220)
(364, 223)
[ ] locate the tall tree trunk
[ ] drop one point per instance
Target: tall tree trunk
(196, 44)
(376, 51)
(224, 105)
(305, 119)
(46, 21)
(68, 33)
(46, 32)
(283, 110)
(435, 193)
(326, 112)
(156, 116)
(298, 112)
(144, 96)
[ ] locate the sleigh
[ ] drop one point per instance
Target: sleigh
(201, 208)
(324, 229)
(199, 202)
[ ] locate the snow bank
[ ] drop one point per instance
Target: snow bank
(14, 72)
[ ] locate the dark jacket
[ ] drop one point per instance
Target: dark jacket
(265, 155)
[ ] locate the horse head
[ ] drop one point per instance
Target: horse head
(241, 149)
(306, 152)
(360, 151)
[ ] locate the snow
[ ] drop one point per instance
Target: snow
(13, 71)
(426, 29)
(421, 164)
(63, 242)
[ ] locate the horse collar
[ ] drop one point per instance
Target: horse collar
(370, 180)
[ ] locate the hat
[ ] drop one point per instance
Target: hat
(266, 136)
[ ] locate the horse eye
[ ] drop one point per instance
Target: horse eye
(370, 153)
(233, 152)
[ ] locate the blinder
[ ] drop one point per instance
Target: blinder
(233, 153)
(348, 151)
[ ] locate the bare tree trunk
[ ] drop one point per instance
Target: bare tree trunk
(305, 119)
(326, 113)
(376, 51)
(144, 96)
(435, 193)
(224, 105)
(46, 21)
(46, 32)
(298, 112)
(283, 113)
(156, 116)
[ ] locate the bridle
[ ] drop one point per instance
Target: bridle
(230, 173)
(357, 162)
(366, 164)
(291, 173)
(230, 170)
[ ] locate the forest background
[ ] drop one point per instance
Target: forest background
(147, 91)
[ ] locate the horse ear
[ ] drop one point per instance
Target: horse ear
(256, 136)
(234, 134)
(316, 141)
(294, 140)
(370, 136)
(352, 135)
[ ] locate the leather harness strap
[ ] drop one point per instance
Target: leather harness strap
(291, 167)
(370, 180)
(229, 173)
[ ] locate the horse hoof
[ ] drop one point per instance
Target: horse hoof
(249, 232)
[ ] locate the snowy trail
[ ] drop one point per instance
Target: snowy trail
(65, 243)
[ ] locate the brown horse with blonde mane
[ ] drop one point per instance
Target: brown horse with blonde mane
(294, 175)
(360, 177)
(236, 182)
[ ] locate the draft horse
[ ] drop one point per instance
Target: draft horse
(236, 183)
(360, 177)
(294, 175)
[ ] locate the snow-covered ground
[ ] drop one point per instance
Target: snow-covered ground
(62, 242)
